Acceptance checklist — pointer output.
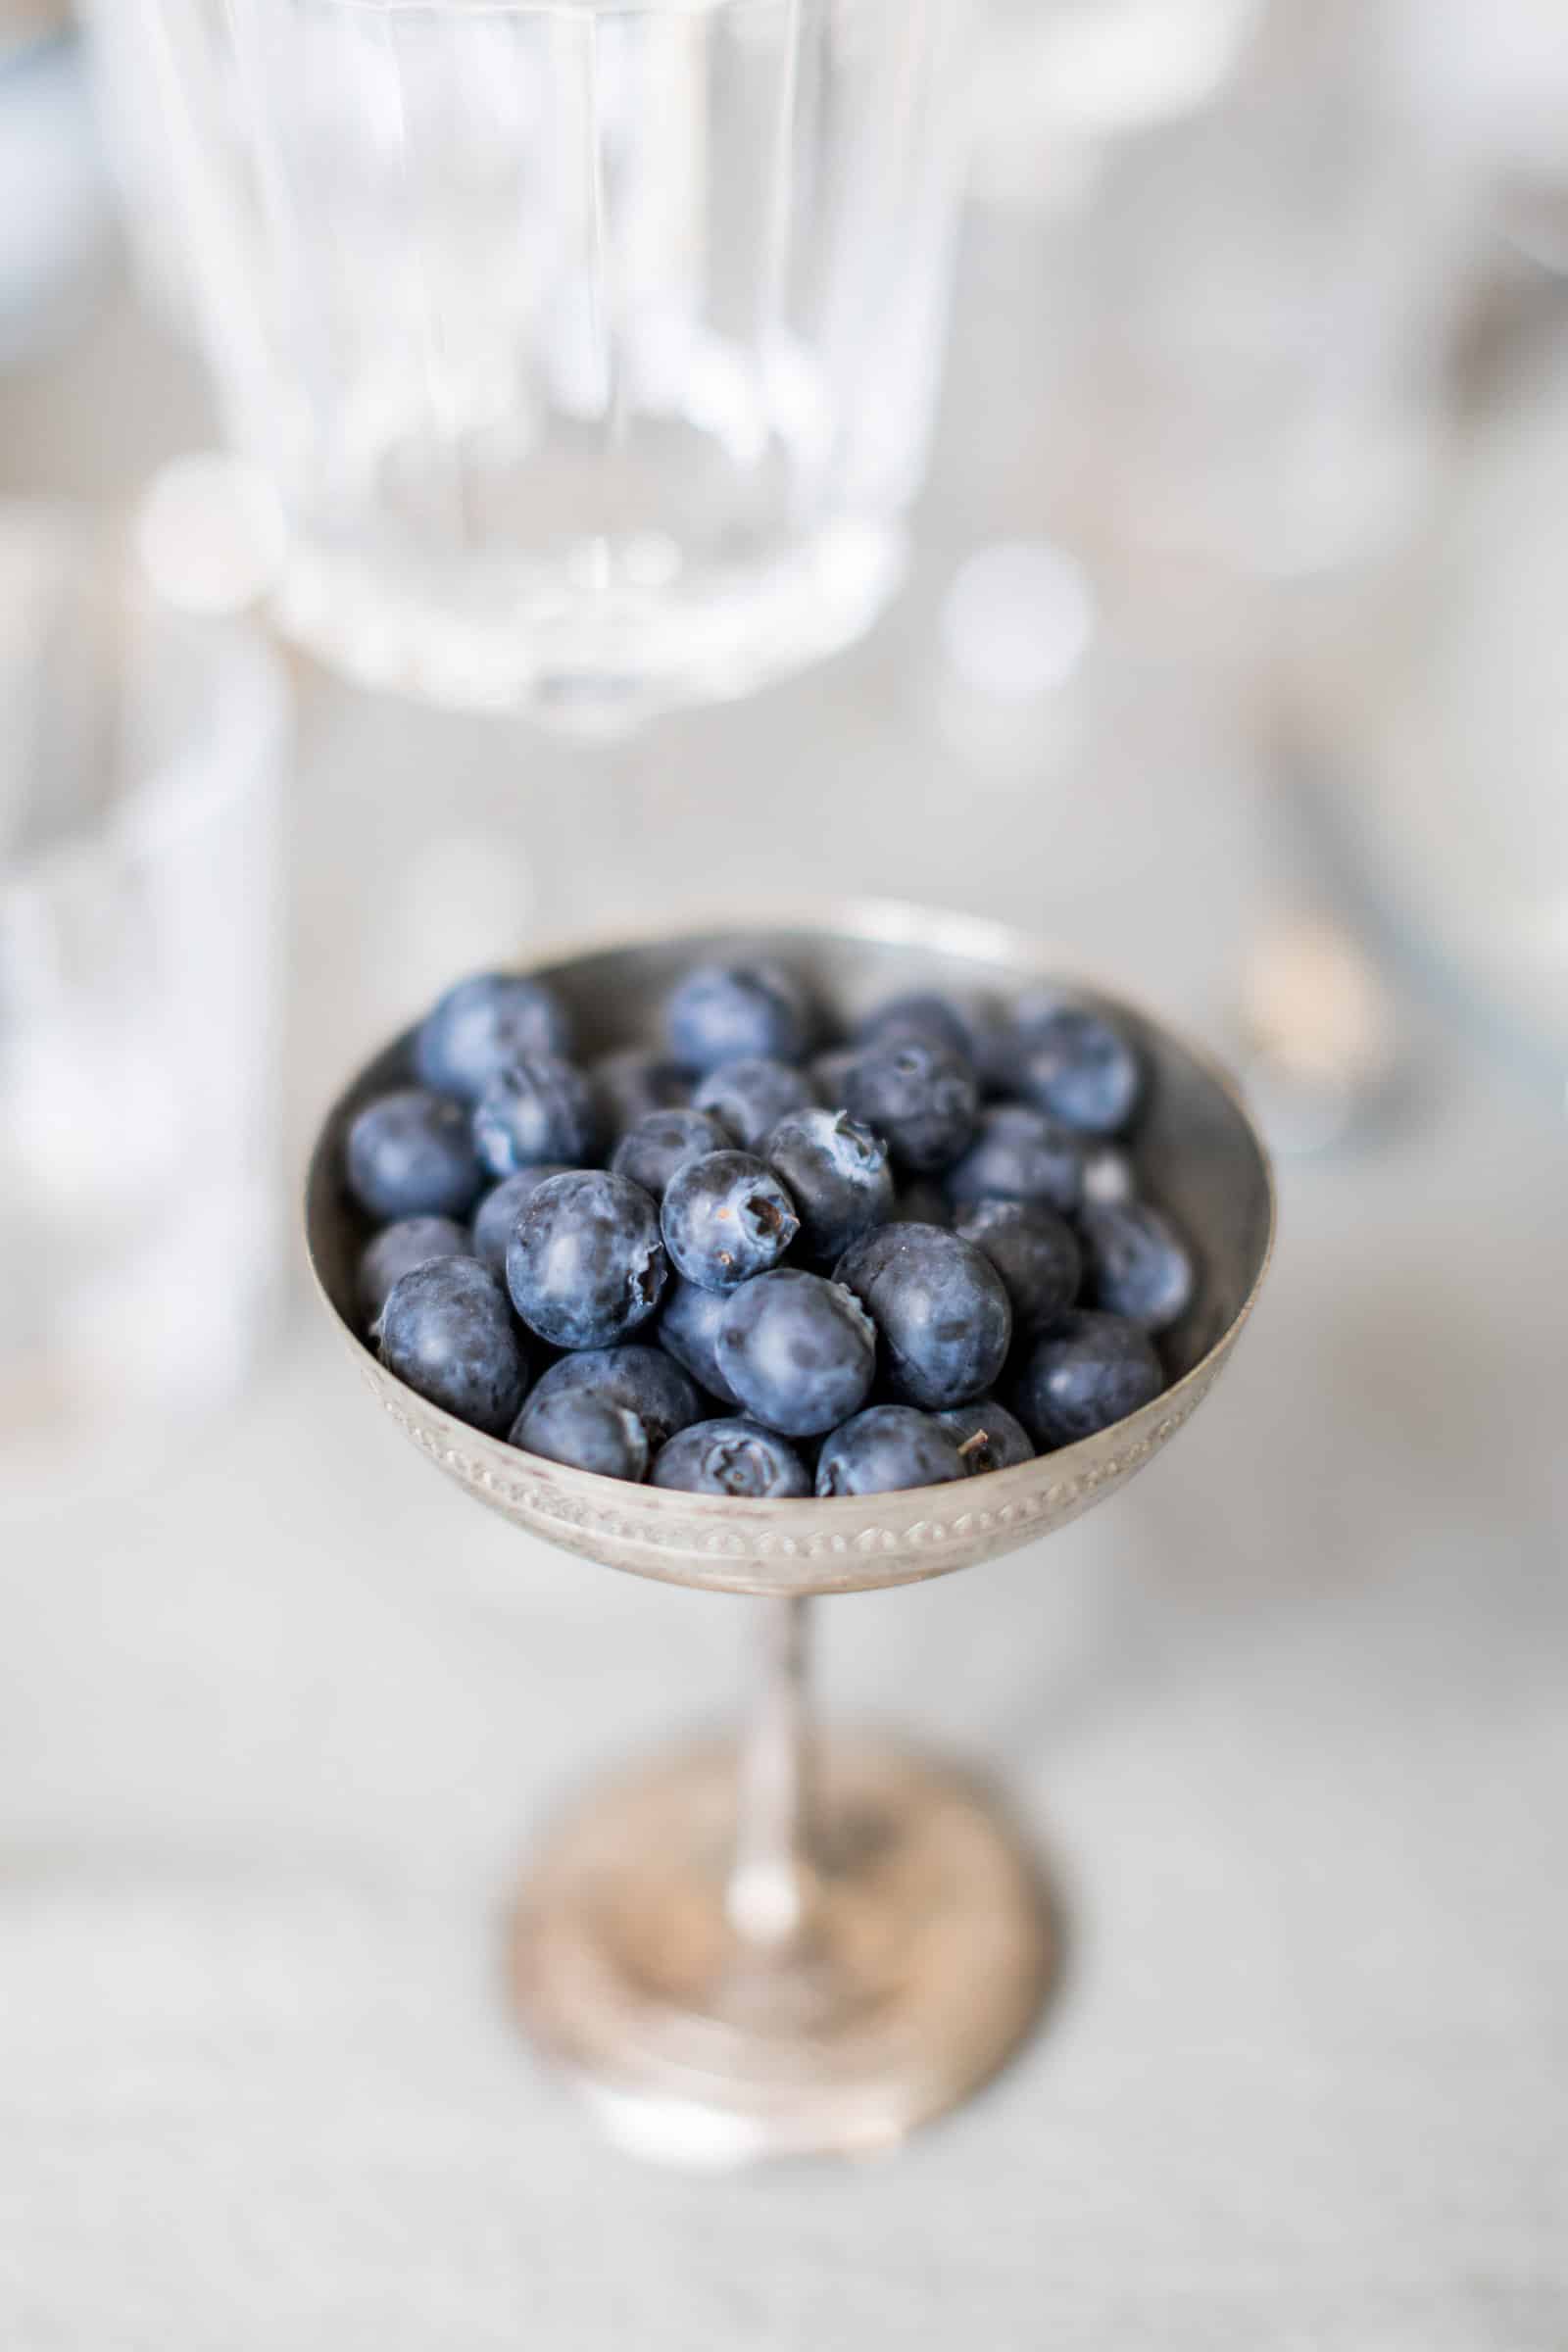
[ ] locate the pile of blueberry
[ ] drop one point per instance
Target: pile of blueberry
(753, 1264)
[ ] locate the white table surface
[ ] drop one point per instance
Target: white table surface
(1288, 1719)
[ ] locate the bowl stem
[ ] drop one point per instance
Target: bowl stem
(794, 1944)
(772, 1890)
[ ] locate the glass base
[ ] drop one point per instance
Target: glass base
(599, 645)
(927, 1956)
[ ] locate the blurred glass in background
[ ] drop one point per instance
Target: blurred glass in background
(55, 219)
(1240, 333)
(1063, 89)
(1284, 287)
(1492, 87)
(1062, 80)
(1432, 721)
(594, 349)
(141, 756)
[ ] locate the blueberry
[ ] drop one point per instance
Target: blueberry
(688, 1330)
(1077, 1066)
(631, 1083)
(498, 1212)
(585, 1431)
(725, 1218)
(987, 1435)
(751, 1096)
(836, 1172)
(585, 1264)
(919, 1097)
(723, 1012)
(1086, 1372)
(993, 1045)
(935, 1018)
(481, 1025)
(939, 1308)
(886, 1447)
(829, 1071)
(1110, 1178)
(731, 1457)
(410, 1154)
(446, 1332)
(1034, 1250)
(398, 1248)
(663, 1142)
(1020, 1154)
(924, 1202)
(798, 1351)
(1139, 1265)
(640, 1379)
(534, 1109)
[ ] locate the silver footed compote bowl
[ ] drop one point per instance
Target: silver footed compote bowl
(803, 1941)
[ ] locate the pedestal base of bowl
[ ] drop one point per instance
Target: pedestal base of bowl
(926, 1956)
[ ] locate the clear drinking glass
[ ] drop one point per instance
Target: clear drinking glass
(141, 759)
(593, 346)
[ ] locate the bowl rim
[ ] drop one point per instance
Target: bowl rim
(873, 921)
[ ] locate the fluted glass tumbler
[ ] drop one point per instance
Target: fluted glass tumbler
(593, 346)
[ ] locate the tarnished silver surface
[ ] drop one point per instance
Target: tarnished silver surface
(921, 1961)
(1203, 1161)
